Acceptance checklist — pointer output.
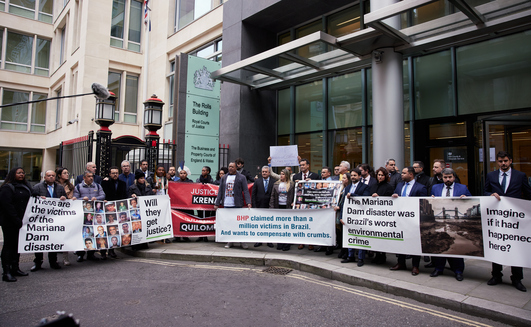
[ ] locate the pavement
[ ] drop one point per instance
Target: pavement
(471, 296)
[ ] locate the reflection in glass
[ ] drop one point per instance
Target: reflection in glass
(309, 107)
(344, 101)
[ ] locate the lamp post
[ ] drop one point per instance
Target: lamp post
(104, 117)
(152, 122)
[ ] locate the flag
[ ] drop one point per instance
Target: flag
(146, 10)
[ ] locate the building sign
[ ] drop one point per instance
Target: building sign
(202, 116)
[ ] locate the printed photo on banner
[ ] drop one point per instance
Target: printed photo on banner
(126, 228)
(451, 226)
(87, 206)
(89, 218)
(88, 231)
(316, 194)
(89, 243)
(111, 218)
(122, 205)
(133, 203)
(101, 242)
(123, 217)
(126, 239)
(114, 242)
(113, 230)
(99, 219)
(110, 207)
(100, 231)
(98, 207)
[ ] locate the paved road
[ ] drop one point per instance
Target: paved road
(132, 291)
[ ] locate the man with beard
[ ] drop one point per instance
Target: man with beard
(449, 188)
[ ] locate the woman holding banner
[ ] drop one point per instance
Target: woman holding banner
(14, 196)
(383, 188)
(62, 178)
(282, 198)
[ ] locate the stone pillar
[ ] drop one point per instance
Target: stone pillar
(387, 99)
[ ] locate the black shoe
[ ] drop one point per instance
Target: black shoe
(103, 256)
(186, 239)
(280, 246)
(459, 277)
(198, 239)
(329, 251)
(113, 255)
(205, 239)
(519, 286)
(436, 273)
(361, 263)
(270, 245)
(427, 258)
(494, 281)
(54, 265)
(342, 253)
(348, 259)
(176, 240)
(318, 249)
(286, 248)
(257, 245)
(15, 271)
(7, 277)
(92, 258)
(36, 267)
(79, 258)
(429, 265)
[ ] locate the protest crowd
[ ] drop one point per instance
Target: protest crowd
(270, 190)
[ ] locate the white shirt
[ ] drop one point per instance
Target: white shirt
(409, 187)
(507, 179)
(366, 179)
(443, 194)
(229, 191)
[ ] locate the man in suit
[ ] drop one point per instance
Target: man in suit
(450, 188)
(408, 187)
(261, 194)
(49, 188)
(92, 168)
(144, 169)
(115, 189)
(394, 176)
(305, 173)
(239, 167)
(420, 176)
(366, 177)
(231, 193)
(357, 188)
(510, 182)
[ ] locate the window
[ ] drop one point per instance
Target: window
(16, 117)
(309, 107)
(19, 52)
(2, 5)
(63, 46)
(189, 10)
(26, 8)
(211, 51)
(125, 87)
(171, 82)
(29, 159)
(126, 24)
(19, 55)
(59, 104)
(131, 99)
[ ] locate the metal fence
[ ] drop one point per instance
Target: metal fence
(75, 153)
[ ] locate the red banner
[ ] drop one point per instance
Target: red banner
(194, 196)
(185, 225)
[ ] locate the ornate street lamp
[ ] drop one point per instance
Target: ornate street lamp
(104, 117)
(152, 122)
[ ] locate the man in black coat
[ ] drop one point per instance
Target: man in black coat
(420, 176)
(115, 189)
(92, 168)
(305, 173)
(49, 188)
(261, 194)
(512, 183)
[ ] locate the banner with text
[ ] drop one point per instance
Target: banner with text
(478, 227)
(194, 196)
(185, 225)
(51, 225)
(315, 227)
(316, 194)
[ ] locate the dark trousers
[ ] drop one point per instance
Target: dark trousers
(415, 260)
(516, 272)
(39, 256)
(456, 264)
(10, 255)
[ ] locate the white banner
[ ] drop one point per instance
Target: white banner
(477, 227)
(315, 227)
(285, 155)
(51, 225)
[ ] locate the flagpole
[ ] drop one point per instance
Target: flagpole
(147, 23)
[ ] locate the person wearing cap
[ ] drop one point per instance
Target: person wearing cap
(140, 187)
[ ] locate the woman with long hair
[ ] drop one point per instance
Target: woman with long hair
(383, 188)
(15, 193)
(62, 176)
(282, 198)
(222, 172)
(345, 180)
